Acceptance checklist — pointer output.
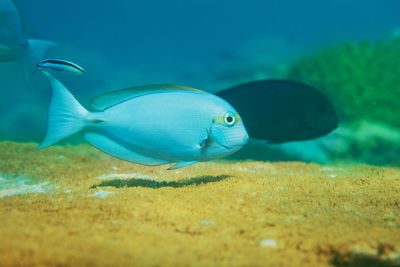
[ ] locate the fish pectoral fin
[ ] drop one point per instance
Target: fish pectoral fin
(111, 147)
(204, 142)
(182, 164)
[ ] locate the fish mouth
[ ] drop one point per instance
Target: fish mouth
(245, 138)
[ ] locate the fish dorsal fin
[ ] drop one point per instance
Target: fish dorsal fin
(107, 100)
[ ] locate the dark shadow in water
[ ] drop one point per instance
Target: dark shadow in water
(361, 260)
(133, 182)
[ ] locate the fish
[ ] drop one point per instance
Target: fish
(280, 110)
(13, 45)
(149, 125)
(61, 65)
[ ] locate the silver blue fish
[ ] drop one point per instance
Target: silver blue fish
(13, 44)
(150, 125)
(60, 65)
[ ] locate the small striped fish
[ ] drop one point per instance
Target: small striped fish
(60, 65)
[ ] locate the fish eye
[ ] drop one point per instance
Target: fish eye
(229, 119)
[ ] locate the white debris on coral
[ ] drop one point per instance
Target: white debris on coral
(257, 169)
(20, 185)
(241, 169)
(331, 169)
(102, 194)
(207, 223)
(126, 176)
(267, 243)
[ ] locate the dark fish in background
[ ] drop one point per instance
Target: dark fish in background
(61, 65)
(282, 110)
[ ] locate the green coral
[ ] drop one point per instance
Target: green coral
(361, 79)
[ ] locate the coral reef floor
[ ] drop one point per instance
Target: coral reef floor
(95, 210)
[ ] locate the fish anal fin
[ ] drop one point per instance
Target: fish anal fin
(111, 147)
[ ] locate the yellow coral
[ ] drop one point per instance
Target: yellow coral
(210, 214)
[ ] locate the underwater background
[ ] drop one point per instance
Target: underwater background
(347, 50)
(331, 200)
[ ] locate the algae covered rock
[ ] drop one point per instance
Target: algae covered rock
(362, 79)
(362, 141)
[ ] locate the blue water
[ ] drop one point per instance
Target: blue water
(202, 44)
(189, 42)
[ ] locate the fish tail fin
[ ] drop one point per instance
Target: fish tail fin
(66, 115)
(34, 52)
(38, 48)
